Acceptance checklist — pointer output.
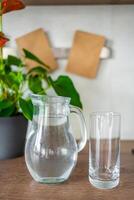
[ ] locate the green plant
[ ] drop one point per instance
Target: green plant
(13, 82)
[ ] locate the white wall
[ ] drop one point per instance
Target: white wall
(113, 89)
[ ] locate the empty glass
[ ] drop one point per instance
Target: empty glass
(51, 150)
(104, 159)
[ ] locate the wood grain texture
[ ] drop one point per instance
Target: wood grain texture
(76, 2)
(17, 184)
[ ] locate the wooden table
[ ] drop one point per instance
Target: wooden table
(17, 184)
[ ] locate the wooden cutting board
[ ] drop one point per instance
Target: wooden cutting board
(84, 56)
(37, 42)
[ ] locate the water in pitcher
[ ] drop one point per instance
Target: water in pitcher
(104, 159)
(51, 150)
(52, 154)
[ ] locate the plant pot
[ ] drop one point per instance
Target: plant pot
(12, 136)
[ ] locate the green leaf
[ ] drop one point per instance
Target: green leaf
(7, 68)
(14, 79)
(41, 72)
(5, 104)
(35, 85)
(27, 108)
(64, 86)
(38, 70)
(3, 78)
(31, 56)
(9, 111)
(12, 60)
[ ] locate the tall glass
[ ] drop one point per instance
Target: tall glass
(104, 159)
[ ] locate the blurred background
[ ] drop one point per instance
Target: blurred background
(112, 89)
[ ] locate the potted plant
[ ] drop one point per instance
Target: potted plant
(16, 84)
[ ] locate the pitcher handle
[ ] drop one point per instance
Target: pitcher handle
(81, 144)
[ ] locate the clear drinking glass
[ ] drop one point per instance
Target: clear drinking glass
(51, 150)
(104, 159)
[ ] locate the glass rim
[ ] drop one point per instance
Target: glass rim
(50, 98)
(102, 113)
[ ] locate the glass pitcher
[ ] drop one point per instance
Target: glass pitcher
(51, 150)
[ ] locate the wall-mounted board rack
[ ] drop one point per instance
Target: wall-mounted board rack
(59, 53)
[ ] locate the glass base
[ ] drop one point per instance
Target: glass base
(104, 184)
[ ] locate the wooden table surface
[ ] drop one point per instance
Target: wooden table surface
(17, 184)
